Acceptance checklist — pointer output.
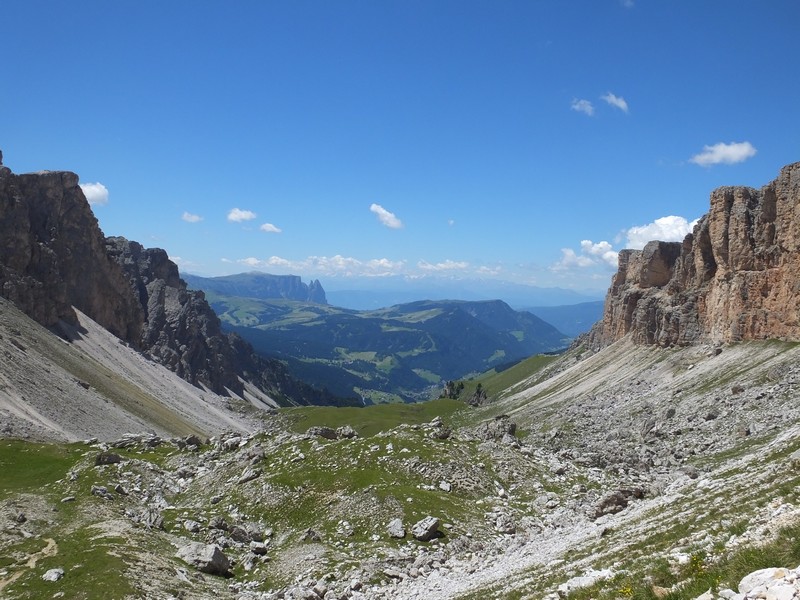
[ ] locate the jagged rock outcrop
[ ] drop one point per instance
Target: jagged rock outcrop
(52, 255)
(260, 285)
(179, 329)
(735, 277)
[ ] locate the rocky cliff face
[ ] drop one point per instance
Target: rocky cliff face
(735, 277)
(179, 329)
(53, 257)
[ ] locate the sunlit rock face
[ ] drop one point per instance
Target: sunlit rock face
(735, 277)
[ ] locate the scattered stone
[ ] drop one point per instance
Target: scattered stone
(192, 526)
(206, 558)
(396, 529)
(53, 574)
(249, 474)
(258, 548)
(426, 529)
(102, 492)
(323, 432)
(107, 458)
(346, 432)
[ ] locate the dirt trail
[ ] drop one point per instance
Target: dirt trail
(51, 549)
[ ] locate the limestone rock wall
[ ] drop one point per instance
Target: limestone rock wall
(52, 255)
(735, 277)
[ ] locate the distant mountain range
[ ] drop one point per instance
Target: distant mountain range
(395, 353)
(260, 285)
(573, 319)
(369, 294)
(364, 294)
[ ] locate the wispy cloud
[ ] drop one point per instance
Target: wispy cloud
(627, 3)
(384, 216)
(447, 265)
(722, 153)
(183, 263)
(270, 228)
(571, 259)
(329, 265)
(616, 101)
(665, 229)
(96, 193)
(582, 106)
(190, 218)
(237, 215)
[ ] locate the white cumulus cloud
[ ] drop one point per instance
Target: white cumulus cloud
(602, 250)
(237, 215)
(722, 153)
(96, 193)
(190, 218)
(591, 254)
(270, 228)
(617, 101)
(665, 229)
(384, 216)
(583, 106)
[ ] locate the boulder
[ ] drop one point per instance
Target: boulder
(53, 575)
(323, 432)
(107, 458)
(206, 558)
(346, 432)
(396, 529)
(426, 529)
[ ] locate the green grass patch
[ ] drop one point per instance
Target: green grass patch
(370, 420)
(28, 466)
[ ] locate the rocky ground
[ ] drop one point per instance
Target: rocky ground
(614, 464)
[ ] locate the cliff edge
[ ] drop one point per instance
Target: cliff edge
(54, 259)
(735, 277)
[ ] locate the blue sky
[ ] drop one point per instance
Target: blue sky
(523, 141)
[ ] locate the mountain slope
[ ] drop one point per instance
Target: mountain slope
(96, 386)
(398, 352)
